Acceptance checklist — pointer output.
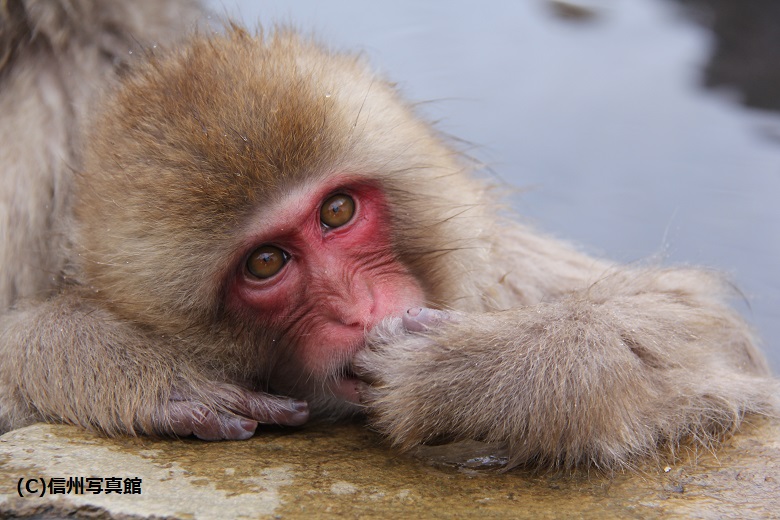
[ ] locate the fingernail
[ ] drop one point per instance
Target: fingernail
(297, 419)
(414, 311)
(248, 425)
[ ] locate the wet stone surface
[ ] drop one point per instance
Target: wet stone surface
(345, 471)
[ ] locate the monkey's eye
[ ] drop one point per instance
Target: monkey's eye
(337, 210)
(266, 261)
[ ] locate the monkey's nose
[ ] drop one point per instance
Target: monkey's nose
(356, 306)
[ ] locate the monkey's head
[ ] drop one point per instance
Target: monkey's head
(266, 200)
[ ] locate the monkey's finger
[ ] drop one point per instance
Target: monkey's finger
(190, 418)
(270, 409)
(420, 319)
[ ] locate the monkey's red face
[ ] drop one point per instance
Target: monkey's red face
(318, 269)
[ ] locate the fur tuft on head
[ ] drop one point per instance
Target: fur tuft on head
(174, 177)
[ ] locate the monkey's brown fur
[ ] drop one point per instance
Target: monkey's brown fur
(567, 359)
(54, 58)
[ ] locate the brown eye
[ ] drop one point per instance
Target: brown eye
(337, 211)
(266, 261)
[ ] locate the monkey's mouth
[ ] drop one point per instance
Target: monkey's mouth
(347, 386)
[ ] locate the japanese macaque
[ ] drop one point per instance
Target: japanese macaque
(263, 231)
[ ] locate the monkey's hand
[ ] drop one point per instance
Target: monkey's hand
(224, 411)
(67, 360)
(598, 376)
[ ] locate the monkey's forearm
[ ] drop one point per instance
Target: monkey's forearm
(601, 375)
(66, 361)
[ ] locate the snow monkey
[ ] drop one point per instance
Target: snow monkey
(260, 230)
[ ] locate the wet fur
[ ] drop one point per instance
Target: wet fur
(567, 359)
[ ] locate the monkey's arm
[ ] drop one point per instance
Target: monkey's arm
(66, 360)
(597, 376)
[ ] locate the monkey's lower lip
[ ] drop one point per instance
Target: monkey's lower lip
(348, 388)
